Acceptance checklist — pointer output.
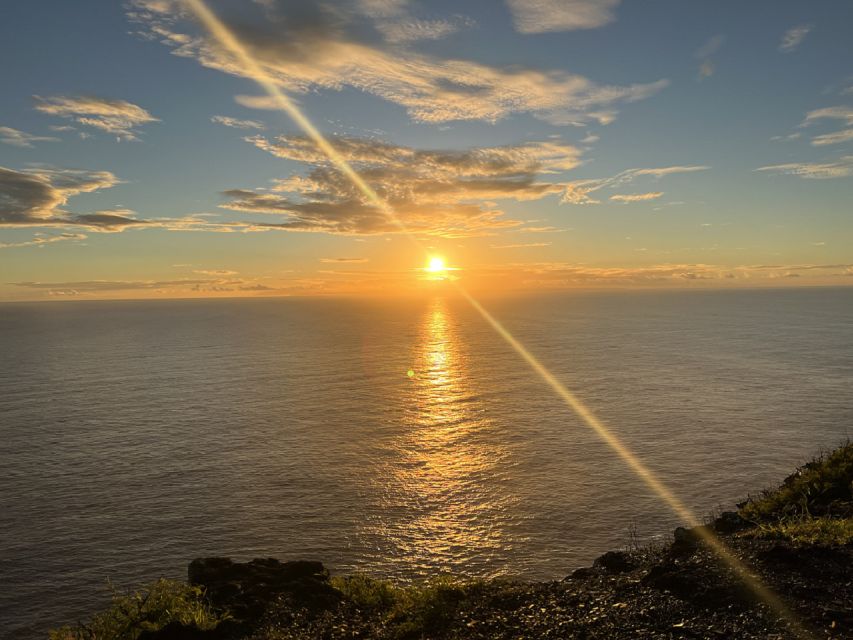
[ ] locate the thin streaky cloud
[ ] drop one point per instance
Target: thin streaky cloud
(636, 197)
(237, 123)
(841, 168)
(18, 138)
(41, 240)
(794, 36)
(579, 191)
(543, 16)
(118, 117)
(521, 245)
(836, 137)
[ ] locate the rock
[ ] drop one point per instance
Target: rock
(729, 522)
(248, 589)
(615, 562)
(582, 573)
(685, 541)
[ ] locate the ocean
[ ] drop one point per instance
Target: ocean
(400, 438)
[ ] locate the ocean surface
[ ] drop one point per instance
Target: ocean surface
(397, 438)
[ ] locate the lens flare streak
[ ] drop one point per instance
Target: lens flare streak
(232, 45)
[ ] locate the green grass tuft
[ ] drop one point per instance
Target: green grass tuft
(821, 488)
(150, 609)
(823, 531)
(367, 593)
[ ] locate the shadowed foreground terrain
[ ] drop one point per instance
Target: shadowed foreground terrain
(797, 538)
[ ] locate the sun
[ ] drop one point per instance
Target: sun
(436, 265)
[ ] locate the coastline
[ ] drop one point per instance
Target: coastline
(797, 541)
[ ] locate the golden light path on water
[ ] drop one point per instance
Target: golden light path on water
(439, 488)
(254, 70)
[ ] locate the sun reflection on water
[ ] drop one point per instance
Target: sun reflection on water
(445, 495)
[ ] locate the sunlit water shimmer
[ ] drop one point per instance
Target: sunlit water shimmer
(397, 438)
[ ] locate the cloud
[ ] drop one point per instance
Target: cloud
(448, 193)
(117, 117)
(637, 197)
(836, 137)
(578, 192)
(704, 53)
(560, 275)
(41, 240)
(787, 138)
(397, 22)
(545, 229)
(413, 30)
(521, 245)
(831, 113)
(215, 272)
(841, 168)
(541, 16)
(344, 260)
(95, 286)
(793, 37)
(236, 123)
(36, 196)
(17, 138)
(323, 47)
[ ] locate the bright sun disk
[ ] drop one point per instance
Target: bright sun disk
(436, 265)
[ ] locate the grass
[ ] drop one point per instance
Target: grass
(814, 505)
(822, 487)
(150, 609)
(415, 611)
(826, 531)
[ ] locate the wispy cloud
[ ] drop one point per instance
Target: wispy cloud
(579, 192)
(236, 123)
(521, 245)
(215, 272)
(543, 229)
(40, 240)
(326, 49)
(344, 260)
(836, 137)
(541, 16)
(705, 53)
(17, 138)
(843, 113)
(794, 36)
(637, 197)
(561, 275)
(118, 117)
(841, 168)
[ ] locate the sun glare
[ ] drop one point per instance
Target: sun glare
(436, 265)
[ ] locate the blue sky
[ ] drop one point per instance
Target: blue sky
(533, 143)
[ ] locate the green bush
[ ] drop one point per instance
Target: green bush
(367, 593)
(150, 609)
(429, 608)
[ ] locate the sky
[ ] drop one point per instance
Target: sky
(531, 144)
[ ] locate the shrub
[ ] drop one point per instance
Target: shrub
(150, 609)
(367, 593)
